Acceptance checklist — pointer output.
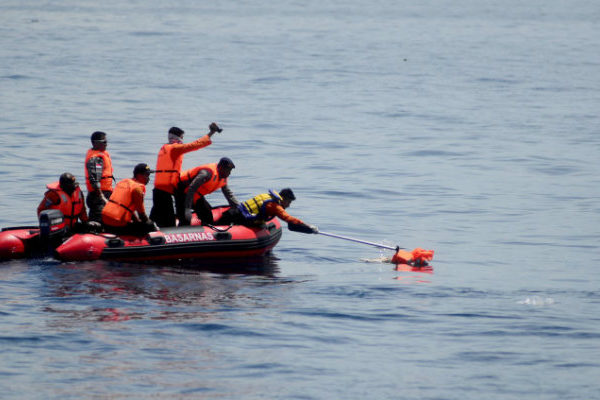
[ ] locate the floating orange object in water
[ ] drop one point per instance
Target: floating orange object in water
(415, 257)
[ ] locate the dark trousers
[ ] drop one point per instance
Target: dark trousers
(162, 208)
(95, 205)
(233, 216)
(180, 205)
(203, 210)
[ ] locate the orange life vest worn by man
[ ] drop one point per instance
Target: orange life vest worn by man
(125, 214)
(98, 176)
(198, 182)
(168, 169)
(65, 195)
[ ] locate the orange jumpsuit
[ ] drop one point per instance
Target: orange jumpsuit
(276, 210)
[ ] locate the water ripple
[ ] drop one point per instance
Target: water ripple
(16, 77)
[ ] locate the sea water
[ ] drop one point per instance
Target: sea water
(466, 127)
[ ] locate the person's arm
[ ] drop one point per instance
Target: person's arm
(137, 196)
(274, 209)
(83, 214)
(229, 196)
(293, 222)
(95, 167)
(50, 198)
(203, 176)
(182, 148)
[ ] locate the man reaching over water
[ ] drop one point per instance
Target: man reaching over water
(261, 208)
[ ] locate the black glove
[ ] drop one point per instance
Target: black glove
(302, 228)
(214, 128)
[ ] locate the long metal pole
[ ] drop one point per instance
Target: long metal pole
(383, 246)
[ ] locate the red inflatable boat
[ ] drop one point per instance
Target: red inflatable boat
(187, 242)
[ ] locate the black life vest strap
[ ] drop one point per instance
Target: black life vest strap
(119, 204)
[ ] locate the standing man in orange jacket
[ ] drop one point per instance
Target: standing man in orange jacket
(98, 176)
(168, 168)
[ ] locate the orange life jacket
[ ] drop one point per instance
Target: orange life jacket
(215, 182)
(71, 206)
(107, 171)
(167, 169)
(119, 206)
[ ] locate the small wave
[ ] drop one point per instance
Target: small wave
(16, 77)
(537, 301)
(553, 170)
(578, 365)
(149, 33)
(435, 153)
(337, 316)
(502, 81)
(270, 79)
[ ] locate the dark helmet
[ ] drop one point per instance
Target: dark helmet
(226, 162)
(98, 137)
(287, 194)
(176, 131)
(67, 182)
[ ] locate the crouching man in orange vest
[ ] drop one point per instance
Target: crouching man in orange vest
(196, 183)
(65, 196)
(125, 214)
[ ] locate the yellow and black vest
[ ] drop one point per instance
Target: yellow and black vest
(254, 209)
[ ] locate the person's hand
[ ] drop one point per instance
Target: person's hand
(93, 226)
(302, 228)
(152, 227)
(188, 215)
(214, 128)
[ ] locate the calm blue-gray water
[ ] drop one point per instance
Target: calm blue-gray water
(468, 127)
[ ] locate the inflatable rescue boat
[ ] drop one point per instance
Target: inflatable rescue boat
(50, 238)
(186, 242)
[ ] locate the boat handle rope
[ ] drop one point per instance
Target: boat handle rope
(215, 228)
